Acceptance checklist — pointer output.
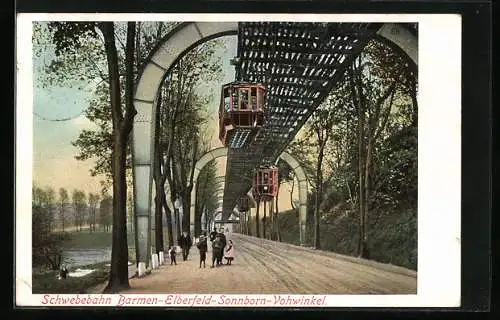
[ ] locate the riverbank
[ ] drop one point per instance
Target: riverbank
(87, 256)
(78, 280)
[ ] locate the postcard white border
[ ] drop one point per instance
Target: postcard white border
(439, 149)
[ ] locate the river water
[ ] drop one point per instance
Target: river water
(76, 258)
(81, 257)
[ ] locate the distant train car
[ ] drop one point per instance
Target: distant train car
(241, 113)
(243, 204)
(265, 182)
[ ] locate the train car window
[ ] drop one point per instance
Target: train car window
(227, 99)
(260, 98)
(244, 99)
(254, 98)
(234, 95)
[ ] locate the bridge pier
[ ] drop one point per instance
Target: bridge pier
(142, 232)
(303, 210)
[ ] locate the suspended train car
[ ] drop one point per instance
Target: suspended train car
(265, 183)
(241, 113)
(244, 204)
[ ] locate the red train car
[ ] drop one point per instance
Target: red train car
(265, 182)
(241, 113)
(243, 204)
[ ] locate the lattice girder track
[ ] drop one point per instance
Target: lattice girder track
(299, 63)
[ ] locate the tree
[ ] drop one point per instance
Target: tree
(79, 207)
(181, 135)
(44, 197)
(206, 192)
(93, 201)
(373, 80)
(106, 212)
(75, 42)
(50, 203)
(317, 135)
(63, 200)
(38, 195)
(257, 217)
(130, 211)
(46, 246)
(285, 173)
(374, 120)
(264, 226)
(122, 125)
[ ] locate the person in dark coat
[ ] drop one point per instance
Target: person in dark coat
(202, 247)
(217, 251)
(185, 242)
(63, 273)
(223, 240)
(213, 234)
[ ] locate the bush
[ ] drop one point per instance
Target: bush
(46, 246)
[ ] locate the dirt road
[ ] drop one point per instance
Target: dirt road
(267, 267)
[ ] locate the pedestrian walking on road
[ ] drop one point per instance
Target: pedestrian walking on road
(217, 249)
(213, 234)
(202, 247)
(172, 254)
(229, 255)
(185, 242)
(222, 237)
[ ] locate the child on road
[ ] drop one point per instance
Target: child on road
(229, 256)
(172, 254)
(202, 247)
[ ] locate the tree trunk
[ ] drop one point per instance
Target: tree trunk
(271, 216)
(174, 195)
(358, 101)
(365, 253)
(257, 218)
(264, 226)
(118, 276)
(249, 224)
(177, 225)
(168, 215)
(62, 216)
(245, 222)
(189, 187)
(361, 170)
(158, 157)
(276, 213)
(319, 190)
(186, 220)
(205, 227)
(291, 194)
(158, 224)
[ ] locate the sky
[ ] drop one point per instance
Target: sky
(54, 162)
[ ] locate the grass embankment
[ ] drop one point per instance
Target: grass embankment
(48, 282)
(44, 281)
(392, 238)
